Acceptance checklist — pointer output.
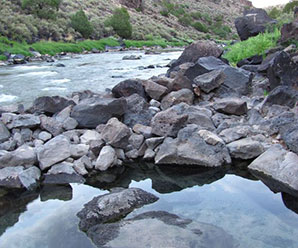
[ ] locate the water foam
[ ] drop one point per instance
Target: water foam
(60, 81)
(7, 98)
(54, 88)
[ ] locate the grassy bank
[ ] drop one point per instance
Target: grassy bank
(254, 45)
(53, 48)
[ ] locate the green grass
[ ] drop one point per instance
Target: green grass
(254, 45)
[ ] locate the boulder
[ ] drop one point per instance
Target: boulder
(78, 150)
(19, 121)
(154, 90)
(179, 82)
(235, 133)
(176, 97)
(9, 177)
(4, 132)
(30, 177)
(62, 173)
(232, 106)
(282, 95)
(146, 131)
(289, 134)
(89, 136)
(129, 87)
(279, 165)
(192, 147)
(112, 206)
(160, 229)
(107, 158)
(168, 122)
(80, 167)
(19, 59)
(245, 148)
(289, 32)
(51, 125)
(209, 81)
(54, 151)
(137, 111)
(136, 140)
(94, 111)
(253, 22)
(197, 50)
(253, 60)
(152, 143)
(51, 104)
(116, 133)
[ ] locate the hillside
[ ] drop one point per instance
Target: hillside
(164, 18)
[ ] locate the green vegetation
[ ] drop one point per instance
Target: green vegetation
(120, 22)
(156, 42)
(42, 8)
(274, 13)
(200, 27)
(185, 20)
(289, 7)
(80, 23)
(254, 45)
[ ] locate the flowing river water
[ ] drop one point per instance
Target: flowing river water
(235, 201)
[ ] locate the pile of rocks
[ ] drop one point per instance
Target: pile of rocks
(204, 113)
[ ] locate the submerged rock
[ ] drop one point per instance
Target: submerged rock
(113, 206)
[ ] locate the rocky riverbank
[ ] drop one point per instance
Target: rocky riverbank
(203, 113)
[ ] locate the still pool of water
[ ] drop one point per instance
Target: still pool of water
(244, 208)
(95, 72)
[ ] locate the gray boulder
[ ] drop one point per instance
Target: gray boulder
(30, 177)
(51, 104)
(115, 133)
(91, 112)
(51, 125)
(282, 95)
(279, 165)
(289, 134)
(19, 121)
(209, 81)
(233, 106)
(9, 177)
(154, 90)
(129, 87)
(192, 147)
(235, 133)
(112, 206)
(146, 131)
(176, 97)
(4, 133)
(245, 148)
(62, 173)
(78, 150)
(54, 151)
(89, 136)
(107, 158)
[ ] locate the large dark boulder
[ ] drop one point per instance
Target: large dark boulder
(289, 32)
(195, 51)
(283, 95)
(280, 69)
(129, 87)
(51, 104)
(253, 22)
(91, 112)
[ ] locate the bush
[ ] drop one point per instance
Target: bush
(196, 15)
(185, 20)
(42, 8)
(120, 22)
(80, 23)
(274, 13)
(200, 27)
(289, 7)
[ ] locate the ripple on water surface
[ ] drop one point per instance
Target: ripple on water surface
(7, 98)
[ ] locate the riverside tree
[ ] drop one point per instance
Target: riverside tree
(120, 22)
(42, 8)
(80, 23)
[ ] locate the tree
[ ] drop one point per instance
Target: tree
(289, 7)
(120, 22)
(42, 8)
(80, 23)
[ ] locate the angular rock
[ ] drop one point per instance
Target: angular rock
(168, 122)
(30, 177)
(79, 150)
(190, 148)
(51, 125)
(91, 112)
(289, 32)
(51, 104)
(116, 133)
(137, 111)
(4, 133)
(44, 136)
(176, 97)
(19, 121)
(234, 133)
(107, 158)
(129, 87)
(80, 168)
(146, 131)
(89, 136)
(136, 140)
(253, 22)
(9, 177)
(149, 154)
(154, 90)
(54, 151)
(245, 148)
(210, 138)
(253, 60)
(279, 165)
(233, 106)
(152, 143)
(62, 173)
(181, 82)
(283, 95)
(209, 81)
(289, 134)
(112, 206)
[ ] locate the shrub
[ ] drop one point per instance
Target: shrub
(185, 20)
(196, 15)
(80, 23)
(200, 27)
(42, 8)
(274, 13)
(289, 7)
(120, 22)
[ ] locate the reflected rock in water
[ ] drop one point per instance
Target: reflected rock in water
(239, 168)
(291, 202)
(12, 205)
(165, 179)
(56, 192)
(159, 229)
(113, 206)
